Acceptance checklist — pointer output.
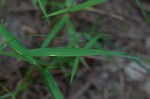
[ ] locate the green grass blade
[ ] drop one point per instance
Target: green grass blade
(69, 2)
(8, 36)
(146, 16)
(15, 44)
(42, 6)
(20, 49)
(77, 7)
(57, 12)
(25, 82)
(141, 7)
(34, 2)
(85, 5)
(74, 43)
(68, 52)
(10, 54)
(52, 85)
(54, 32)
(52, 65)
(74, 70)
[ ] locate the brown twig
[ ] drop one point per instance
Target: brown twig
(106, 13)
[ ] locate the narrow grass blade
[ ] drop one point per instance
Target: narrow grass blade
(52, 65)
(85, 5)
(25, 82)
(57, 13)
(43, 8)
(52, 85)
(74, 70)
(141, 7)
(15, 44)
(146, 16)
(72, 33)
(10, 54)
(34, 2)
(77, 7)
(69, 2)
(95, 24)
(5, 96)
(68, 52)
(2, 47)
(54, 32)
(9, 93)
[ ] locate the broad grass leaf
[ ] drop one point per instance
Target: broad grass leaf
(15, 44)
(76, 7)
(68, 52)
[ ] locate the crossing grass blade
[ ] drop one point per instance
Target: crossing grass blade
(2, 47)
(68, 52)
(11, 54)
(9, 93)
(54, 32)
(76, 7)
(92, 41)
(74, 43)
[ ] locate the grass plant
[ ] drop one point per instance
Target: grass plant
(32, 56)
